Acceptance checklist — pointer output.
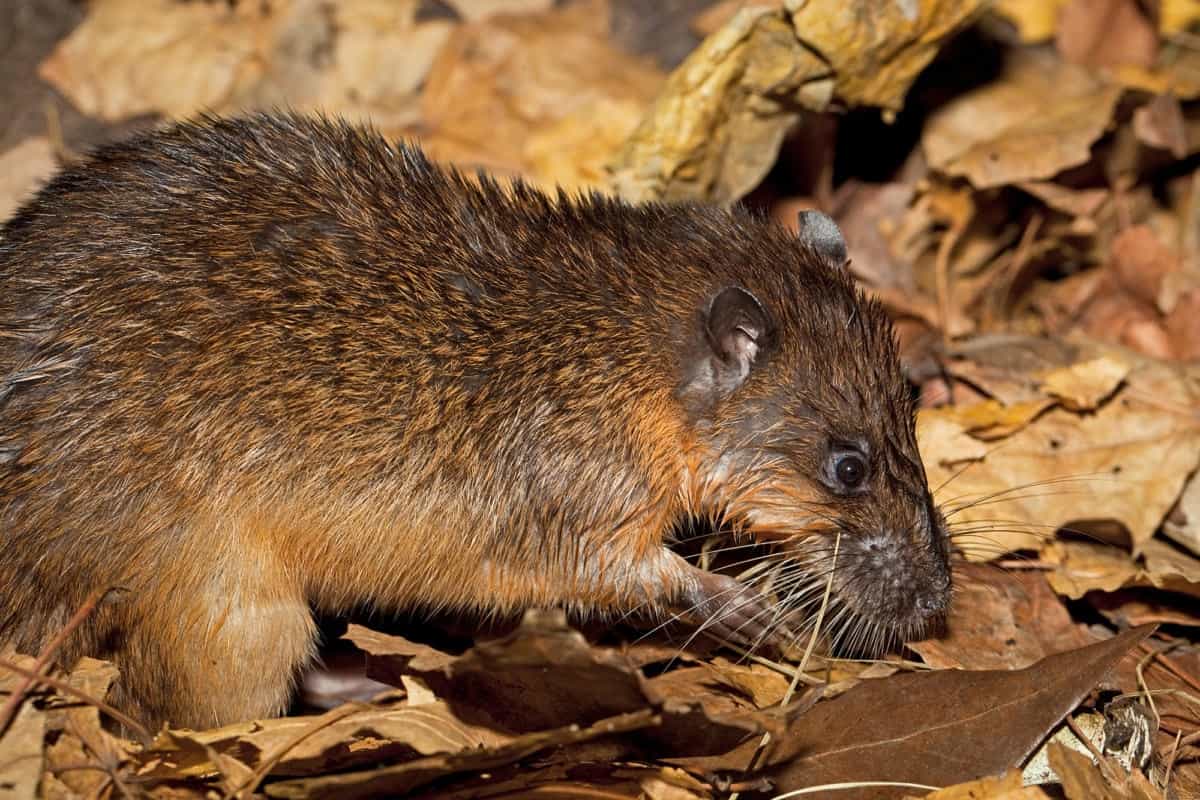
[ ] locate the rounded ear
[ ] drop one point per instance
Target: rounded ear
(824, 237)
(736, 332)
(736, 327)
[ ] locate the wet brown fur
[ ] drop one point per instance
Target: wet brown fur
(249, 367)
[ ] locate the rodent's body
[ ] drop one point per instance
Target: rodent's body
(249, 367)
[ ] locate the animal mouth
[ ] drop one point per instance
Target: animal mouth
(871, 597)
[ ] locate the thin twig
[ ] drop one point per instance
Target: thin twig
(250, 786)
(79, 694)
(9, 711)
(1171, 764)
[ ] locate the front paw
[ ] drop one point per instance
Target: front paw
(729, 611)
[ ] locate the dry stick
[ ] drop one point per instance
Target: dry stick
(1101, 762)
(9, 711)
(1165, 661)
(812, 643)
(1171, 764)
(79, 694)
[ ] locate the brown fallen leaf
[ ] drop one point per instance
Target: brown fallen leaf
(504, 91)
(83, 740)
(1125, 462)
(1006, 787)
(22, 742)
(546, 675)
(930, 728)
(188, 57)
(1106, 33)
(185, 56)
(1035, 20)
(1076, 202)
(1160, 123)
(1083, 567)
(1001, 620)
(1039, 118)
(23, 170)
(355, 740)
(401, 779)
(543, 675)
(1083, 779)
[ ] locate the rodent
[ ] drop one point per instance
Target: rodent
(258, 365)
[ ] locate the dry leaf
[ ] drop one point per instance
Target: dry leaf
(1086, 566)
(940, 728)
(1083, 779)
(1006, 787)
(1035, 20)
(715, 129)
(1001, 620)
(1076, 202)
(23, 170)
(1084, 386)
(185, 56)
(876, 50)
(473, 10)
(1125, 462)
(717, 124)
(1183, 526)
(400, 779)
(1160, 123)
(1106, 33)
(497, 84)
(355, 740)
(1039, 118)
(21, 743)
(363, 60)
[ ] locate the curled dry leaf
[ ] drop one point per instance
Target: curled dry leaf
(546, 675)
(715, 129)
(876, 50)
(1082, 567)
(716, 126)
(1126, 461)
(1039, 118)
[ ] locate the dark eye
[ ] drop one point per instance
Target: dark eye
(850, 470)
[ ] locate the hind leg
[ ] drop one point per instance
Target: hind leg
(212, 656)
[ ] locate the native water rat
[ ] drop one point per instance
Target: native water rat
(249, 367)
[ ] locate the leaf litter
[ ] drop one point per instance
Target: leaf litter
(1033, 225)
